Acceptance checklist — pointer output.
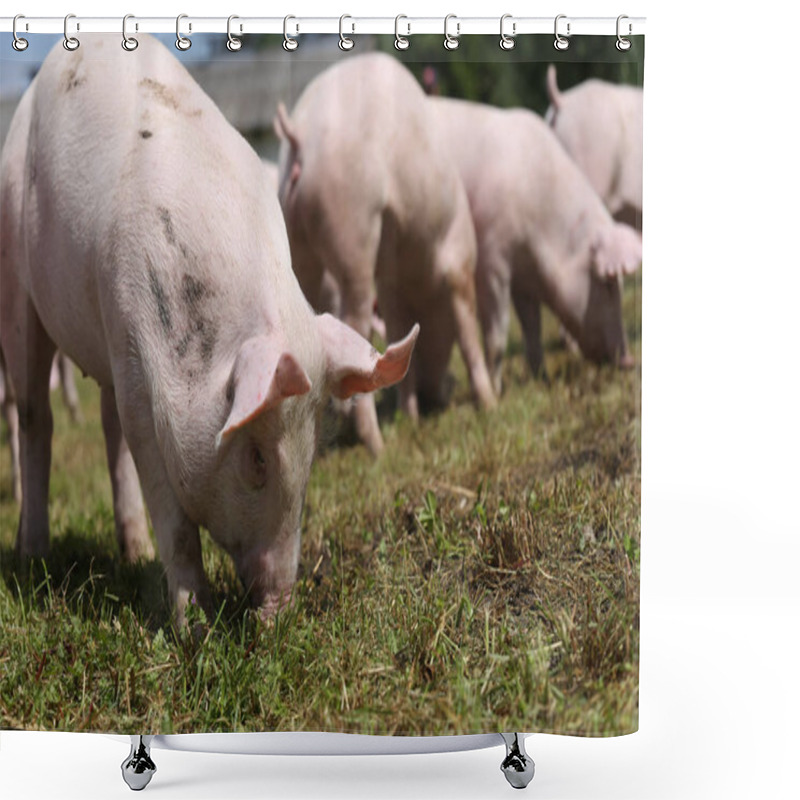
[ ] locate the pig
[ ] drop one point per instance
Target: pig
(370, 194)
(600, 126)
(140, 238)
(544, 236)
(62, 374)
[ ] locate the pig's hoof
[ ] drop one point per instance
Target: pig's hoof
(138, 768)
(517, 766)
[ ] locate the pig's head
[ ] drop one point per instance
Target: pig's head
(616, 250)
(267, 443)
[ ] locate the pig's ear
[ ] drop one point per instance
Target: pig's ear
(284, 128)
(354, 366)
(263, 376)
(616, 251)
(553, 94)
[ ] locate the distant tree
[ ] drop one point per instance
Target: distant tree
(479, 70)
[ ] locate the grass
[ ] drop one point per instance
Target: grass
(481, 576)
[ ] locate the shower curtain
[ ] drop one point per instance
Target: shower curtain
(412, 510)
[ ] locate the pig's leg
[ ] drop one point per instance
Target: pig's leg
(177, 536)
(529, 310)
(494, 302)
(353, 260)
(29, 356)
(129, 514)
(66, 372)
(456, 265)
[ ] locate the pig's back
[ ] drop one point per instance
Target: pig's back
(514, 170)
(366, 135)
(600, 126)
(140, 191)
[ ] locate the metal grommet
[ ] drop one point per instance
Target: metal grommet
(507, 42)
(18, 43)
(233, 44)
(450, 41)
(623, 44)
(345, 43)
(128, 42)
(182, 42)
(561, 43)
(401, 42)
(70, 42)
(289, 42)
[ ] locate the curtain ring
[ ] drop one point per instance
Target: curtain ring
(128, 42)
(234, 43)
(181, 42)
(561, 43)
(19, 44)
(401, 42)
(507, 42)
(289, 42)
(345, 43)
(450, 41)
(623, 44)
(70, 42)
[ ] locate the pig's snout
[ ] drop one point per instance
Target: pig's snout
(269, 578)
(271, 603)
(626, 361)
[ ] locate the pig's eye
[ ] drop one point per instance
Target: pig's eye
(255, 466)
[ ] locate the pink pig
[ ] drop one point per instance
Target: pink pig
(544, 236)
(600, 126)
(372, 196)
(163, 271)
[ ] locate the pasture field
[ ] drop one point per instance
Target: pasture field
(482, 575)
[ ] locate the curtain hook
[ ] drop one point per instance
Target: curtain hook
(181, 42)
(623, 44)
(128, 42)
(561, 43)
(450, 41)
(290, 43)
(507, 42)
(401, 42)
(70, 42)
(19, 44)
(234, 43)
(345, 43)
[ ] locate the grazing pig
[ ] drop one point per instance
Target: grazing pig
(544, 236)
(139, 237)
(600, 126)
(371, 195)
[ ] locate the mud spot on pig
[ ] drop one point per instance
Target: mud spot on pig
(162, 304)
(145, 134)
(194, 294)
(160, 92)
(196, 328)
(69, 77)
(166, 221)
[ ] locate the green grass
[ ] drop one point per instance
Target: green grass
(481, 576)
